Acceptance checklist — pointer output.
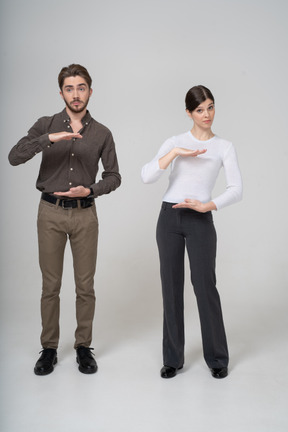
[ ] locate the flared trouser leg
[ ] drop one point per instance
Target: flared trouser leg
(201, 248)
(171, 246)
(175, 229)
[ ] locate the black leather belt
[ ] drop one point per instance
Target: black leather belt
(68, 203)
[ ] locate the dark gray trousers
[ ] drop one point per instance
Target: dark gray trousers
(176, 229)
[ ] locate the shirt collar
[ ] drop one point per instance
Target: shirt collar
(85, 120)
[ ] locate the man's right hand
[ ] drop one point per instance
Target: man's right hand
(60, 136)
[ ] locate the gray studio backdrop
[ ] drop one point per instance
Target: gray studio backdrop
(143, 57)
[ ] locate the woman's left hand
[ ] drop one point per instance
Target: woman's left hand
(196, 205)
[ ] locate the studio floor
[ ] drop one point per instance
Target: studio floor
(128, 394)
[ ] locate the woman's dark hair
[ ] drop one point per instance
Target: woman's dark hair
(196, 95)
(74, 70)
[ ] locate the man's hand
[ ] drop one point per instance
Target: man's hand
(196, 205)
(75, 192)
(60, 136)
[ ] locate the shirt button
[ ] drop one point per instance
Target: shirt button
(86, 123)
(48, 146)
(71, 169)
(70, 184)
(68, 126)
(72, 154)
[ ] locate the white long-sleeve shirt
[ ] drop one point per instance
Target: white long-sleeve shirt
(195, 177)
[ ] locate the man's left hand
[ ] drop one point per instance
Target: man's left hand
(75, 192)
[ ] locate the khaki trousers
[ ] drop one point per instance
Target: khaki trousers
(55, 225)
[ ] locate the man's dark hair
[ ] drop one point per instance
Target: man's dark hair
(196, 95)
(74, 70)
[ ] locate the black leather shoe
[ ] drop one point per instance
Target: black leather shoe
(169, 371)
(45, 363)
(87, 363)
(219, 372)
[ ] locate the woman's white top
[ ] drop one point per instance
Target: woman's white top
(195, 177)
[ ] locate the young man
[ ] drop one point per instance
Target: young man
(72, 143)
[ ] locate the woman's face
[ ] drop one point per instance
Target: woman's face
(203, 115)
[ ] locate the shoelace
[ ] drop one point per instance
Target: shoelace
(85, 350)
(45, 349)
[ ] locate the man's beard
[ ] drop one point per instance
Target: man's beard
(77, 109)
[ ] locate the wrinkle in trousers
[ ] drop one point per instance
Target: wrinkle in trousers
(178, 229)
(55, 226)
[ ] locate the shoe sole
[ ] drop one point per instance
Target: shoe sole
(220, 375)
(171, 375)
(87, 371)
(168, 376)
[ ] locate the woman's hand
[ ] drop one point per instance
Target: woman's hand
(186, 152)
(165, 161)
(196, 205)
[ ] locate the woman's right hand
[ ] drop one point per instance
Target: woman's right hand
(165, 161)
(186, 152)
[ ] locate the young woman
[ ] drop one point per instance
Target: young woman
(195, 159)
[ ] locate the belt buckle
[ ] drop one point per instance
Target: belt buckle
(63, 205)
